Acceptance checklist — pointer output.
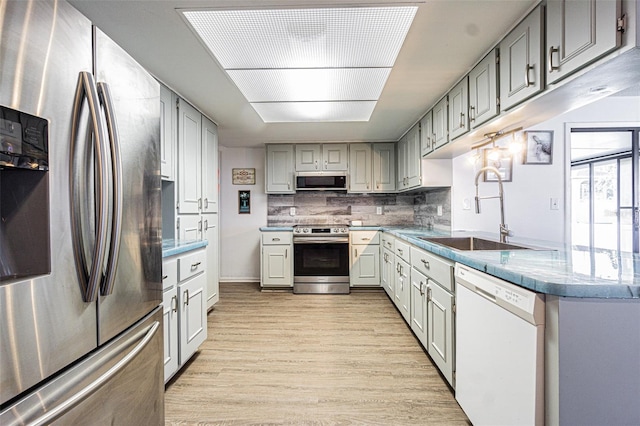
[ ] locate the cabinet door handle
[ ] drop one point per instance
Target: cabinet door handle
(433, 141)
(199, 203)
(288, 185)
(527, 82)
(461, 120)
(286, 253)
(421, 290)
(400, 251)
(206, 203)
(356, 250)
(367, 185)
(429, 295)
(174, 303)
(206, 224)
(186, 297)
(426, 264)
(164, 277)
(553, 50)
(195, 265)
(472, 113)
(316, 164)
(326, 164)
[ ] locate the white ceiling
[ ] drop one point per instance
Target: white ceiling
(446, 39)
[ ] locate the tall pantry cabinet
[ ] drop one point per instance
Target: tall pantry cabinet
(190, 145)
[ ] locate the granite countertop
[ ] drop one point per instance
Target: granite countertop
(172, 247)
(276, 228)
(550, 268)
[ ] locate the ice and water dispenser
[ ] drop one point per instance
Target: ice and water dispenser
(24, 195)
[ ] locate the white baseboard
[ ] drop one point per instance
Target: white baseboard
(239, 280)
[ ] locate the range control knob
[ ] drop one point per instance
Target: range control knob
(306, 230)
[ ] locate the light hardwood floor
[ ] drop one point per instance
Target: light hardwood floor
(280, 358)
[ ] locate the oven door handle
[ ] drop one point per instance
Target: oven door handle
(320, 240)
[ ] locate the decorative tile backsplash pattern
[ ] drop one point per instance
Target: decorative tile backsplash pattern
(329, 207)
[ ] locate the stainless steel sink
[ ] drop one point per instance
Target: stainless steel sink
(472, 243)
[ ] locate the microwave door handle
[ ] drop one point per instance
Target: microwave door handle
(116, 179)
(88, 277)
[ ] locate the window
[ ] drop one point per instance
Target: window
(604, 189)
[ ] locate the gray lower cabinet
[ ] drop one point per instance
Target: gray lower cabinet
(432, 308)
(387, 264)
(276, 260)
(184, 308)
(364, 258)
(578, 32)
(402, 284)
(521, 61)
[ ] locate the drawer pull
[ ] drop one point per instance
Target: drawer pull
(195, 265)
(164, 277)
(426, 264)
(275, 239)
(366, 239)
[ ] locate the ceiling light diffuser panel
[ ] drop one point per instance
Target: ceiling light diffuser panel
(293, 64)
(303, 38)
(287, 85)
(286, 112)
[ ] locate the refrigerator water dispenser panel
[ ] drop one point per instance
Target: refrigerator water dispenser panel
(24, 196)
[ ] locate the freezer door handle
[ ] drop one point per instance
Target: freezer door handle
(88, 277)
(116, 185)
(145, 336)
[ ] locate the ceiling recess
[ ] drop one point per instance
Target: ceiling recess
(306, 65)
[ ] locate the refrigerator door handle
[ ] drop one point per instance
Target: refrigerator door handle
(90, 283)
(56, 412)
(116, 179)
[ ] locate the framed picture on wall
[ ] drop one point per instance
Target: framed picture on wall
(503, 161)
(244, 202)
(539, 147)
(243, 176)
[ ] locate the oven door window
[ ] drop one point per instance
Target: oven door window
(321, 259)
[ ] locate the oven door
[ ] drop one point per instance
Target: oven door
(321, 259)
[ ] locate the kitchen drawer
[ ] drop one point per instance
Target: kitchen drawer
(403, 250)
(389, 241)
(276, 238)
(438, 269)
(191, 264)
(169, 273)
(365, 237)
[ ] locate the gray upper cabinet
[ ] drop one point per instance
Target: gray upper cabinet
(384, 167)
(360, 167)
(579, 32)
(280, 163)
(308, 157)
(521, 61)
(317, 157)
(409, 160)
(440, 127)
(168, 125)
(189, 159)
(427, 141)
(458, 107)
(483, 90)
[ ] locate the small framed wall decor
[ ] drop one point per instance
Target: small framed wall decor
(244, 202)
(539, 147)
(503, 162)
(243, 176)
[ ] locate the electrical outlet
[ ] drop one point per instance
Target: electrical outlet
(466, 204)
(439, 210)
(292, 211)
(554, 205)
(378, 210)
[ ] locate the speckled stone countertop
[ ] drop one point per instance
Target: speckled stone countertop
(276, 228)
(550, 268)
(173, 247)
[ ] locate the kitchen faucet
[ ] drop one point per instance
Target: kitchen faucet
(504, 230)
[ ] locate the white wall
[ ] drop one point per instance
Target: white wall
(239, 233)
(527, 197)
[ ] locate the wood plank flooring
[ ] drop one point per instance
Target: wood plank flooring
(280, 358)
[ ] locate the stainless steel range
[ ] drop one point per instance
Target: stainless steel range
(321, 259)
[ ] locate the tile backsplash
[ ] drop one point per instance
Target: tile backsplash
(329, 207)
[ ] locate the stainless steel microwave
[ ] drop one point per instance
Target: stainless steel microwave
(321, 181)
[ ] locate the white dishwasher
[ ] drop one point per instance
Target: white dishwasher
(499, 350)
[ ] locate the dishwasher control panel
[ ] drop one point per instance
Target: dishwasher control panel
(525, 303)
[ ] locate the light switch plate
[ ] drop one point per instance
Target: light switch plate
(292, 211)
(378, 210)
(439, 210)
(554, 205)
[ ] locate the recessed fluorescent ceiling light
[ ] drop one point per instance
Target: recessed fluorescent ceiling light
(325, 64)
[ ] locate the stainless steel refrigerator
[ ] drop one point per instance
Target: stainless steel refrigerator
(80, 233)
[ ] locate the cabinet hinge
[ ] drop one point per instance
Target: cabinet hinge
(622, 23)
(178, 223)
(453, 307)
(497, 59)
